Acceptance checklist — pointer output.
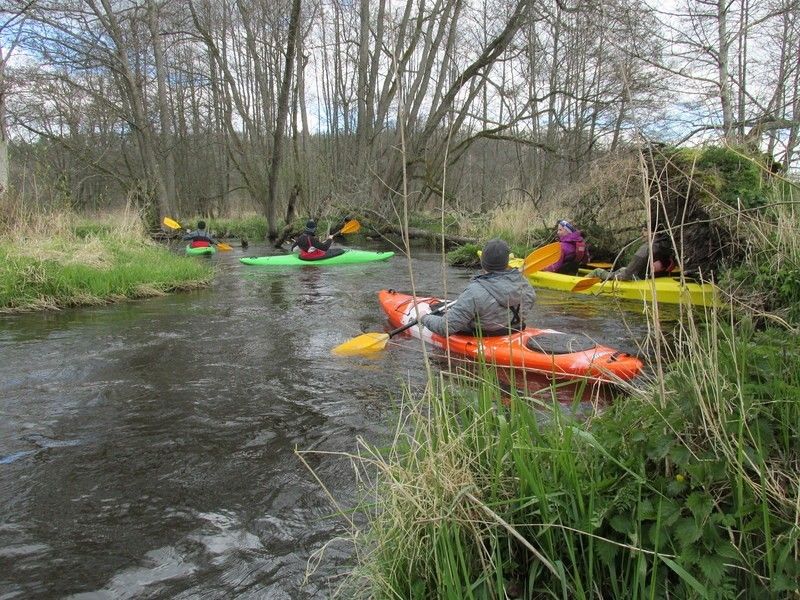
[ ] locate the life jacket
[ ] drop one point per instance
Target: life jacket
(581, 252)
(307, 250)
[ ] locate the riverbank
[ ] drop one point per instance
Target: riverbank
(685, 489)
(67, 262)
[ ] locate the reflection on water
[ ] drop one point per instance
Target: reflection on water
(147, 448)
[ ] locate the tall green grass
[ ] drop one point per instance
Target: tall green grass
(56, 261)
(692, 495)
(689, 487)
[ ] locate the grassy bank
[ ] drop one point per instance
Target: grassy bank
(688, 490)
(689, 487)
(62, 261)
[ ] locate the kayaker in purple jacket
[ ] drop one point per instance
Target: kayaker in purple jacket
(573, 250)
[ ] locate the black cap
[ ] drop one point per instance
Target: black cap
(201, 224)
(495, 255)
(311, 226)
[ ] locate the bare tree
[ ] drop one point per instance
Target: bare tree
(10, 29)
(283, 110)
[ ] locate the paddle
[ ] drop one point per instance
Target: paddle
(541, 258)
(600, 265)
(351, 226)
(585, 284)
(367, 343)
(173, 224)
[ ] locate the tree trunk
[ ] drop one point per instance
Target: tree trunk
(724, 69)
(164, 111)
(280, 126)
(3, 130)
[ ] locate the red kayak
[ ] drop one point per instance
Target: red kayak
(566, 356)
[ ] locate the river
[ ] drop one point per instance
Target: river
(147, 449)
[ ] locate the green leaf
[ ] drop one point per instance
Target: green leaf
(660, 447)
(621, 523)
(670, 511)
(646, 509)
(606, 552)
(701, 505)
(727, 550)
(675, 487)
(687, 577)
(713, 567)
(680, 455)
(687, 531)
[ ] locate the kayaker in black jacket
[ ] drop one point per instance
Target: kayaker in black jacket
(311, 248)
(200, 238)
(493, 303)
(638, 266)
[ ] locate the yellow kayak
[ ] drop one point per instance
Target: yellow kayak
(669, 290)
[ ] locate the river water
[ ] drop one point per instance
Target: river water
(147, 449)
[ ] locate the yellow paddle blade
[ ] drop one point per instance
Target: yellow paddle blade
(366, 343)
(171, 223)
(585, 284)
(541, 258)
(224, 247)
(600, 265)
(351, 226)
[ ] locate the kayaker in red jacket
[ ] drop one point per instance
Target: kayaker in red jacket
(200, 238)
(573, 250)
(311, 248)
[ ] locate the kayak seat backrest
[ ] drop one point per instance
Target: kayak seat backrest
(560, 343)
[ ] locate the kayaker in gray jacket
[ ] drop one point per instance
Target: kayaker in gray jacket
(200, 237)
(493, 302)
(639, 265)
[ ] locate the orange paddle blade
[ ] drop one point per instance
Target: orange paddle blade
(585, 284)
(541, 258)
(366, 343)
(351, 226)
(171, 223)
(224, 247)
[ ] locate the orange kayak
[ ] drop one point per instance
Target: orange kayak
(565, 356)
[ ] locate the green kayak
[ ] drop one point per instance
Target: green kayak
(349, 257)
(202, 250)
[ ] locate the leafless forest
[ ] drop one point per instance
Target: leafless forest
(220, 106)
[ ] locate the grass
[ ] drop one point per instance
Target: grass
(689, 492)
(57, 261)
(689, 487)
